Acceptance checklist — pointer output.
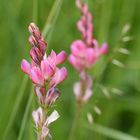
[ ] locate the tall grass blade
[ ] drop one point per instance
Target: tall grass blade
(109, 132)
(16, 106)
(25, 117)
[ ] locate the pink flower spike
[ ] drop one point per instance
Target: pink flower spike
(46, 69)
(60, 58)
(60, 76)
(25, 66)
(104, 48)
(36, 76)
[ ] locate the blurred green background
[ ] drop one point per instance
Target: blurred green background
(120, 118)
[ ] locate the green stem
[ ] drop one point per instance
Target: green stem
(75, 122)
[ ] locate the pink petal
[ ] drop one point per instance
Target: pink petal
(104, 48)
(25, 66)
(75, 62)
(53, 56)
(90, 56)
(53, 117)
(52, 59)
(59, 76)
(60, 57)
(36, 76)
(46, 69)
(78, 48)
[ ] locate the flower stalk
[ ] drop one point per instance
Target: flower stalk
(45, 76)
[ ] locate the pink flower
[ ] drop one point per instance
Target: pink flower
(85, 53)
(45, 75)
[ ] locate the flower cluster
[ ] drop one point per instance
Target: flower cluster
(45, 75)
(85, 53)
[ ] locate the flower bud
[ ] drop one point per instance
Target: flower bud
(34, 30)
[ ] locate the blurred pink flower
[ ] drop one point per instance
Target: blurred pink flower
(85, 53)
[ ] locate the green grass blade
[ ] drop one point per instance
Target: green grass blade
(35, 11)
(52, 17)
(16, 106)
(25, 117)
(109, 132)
